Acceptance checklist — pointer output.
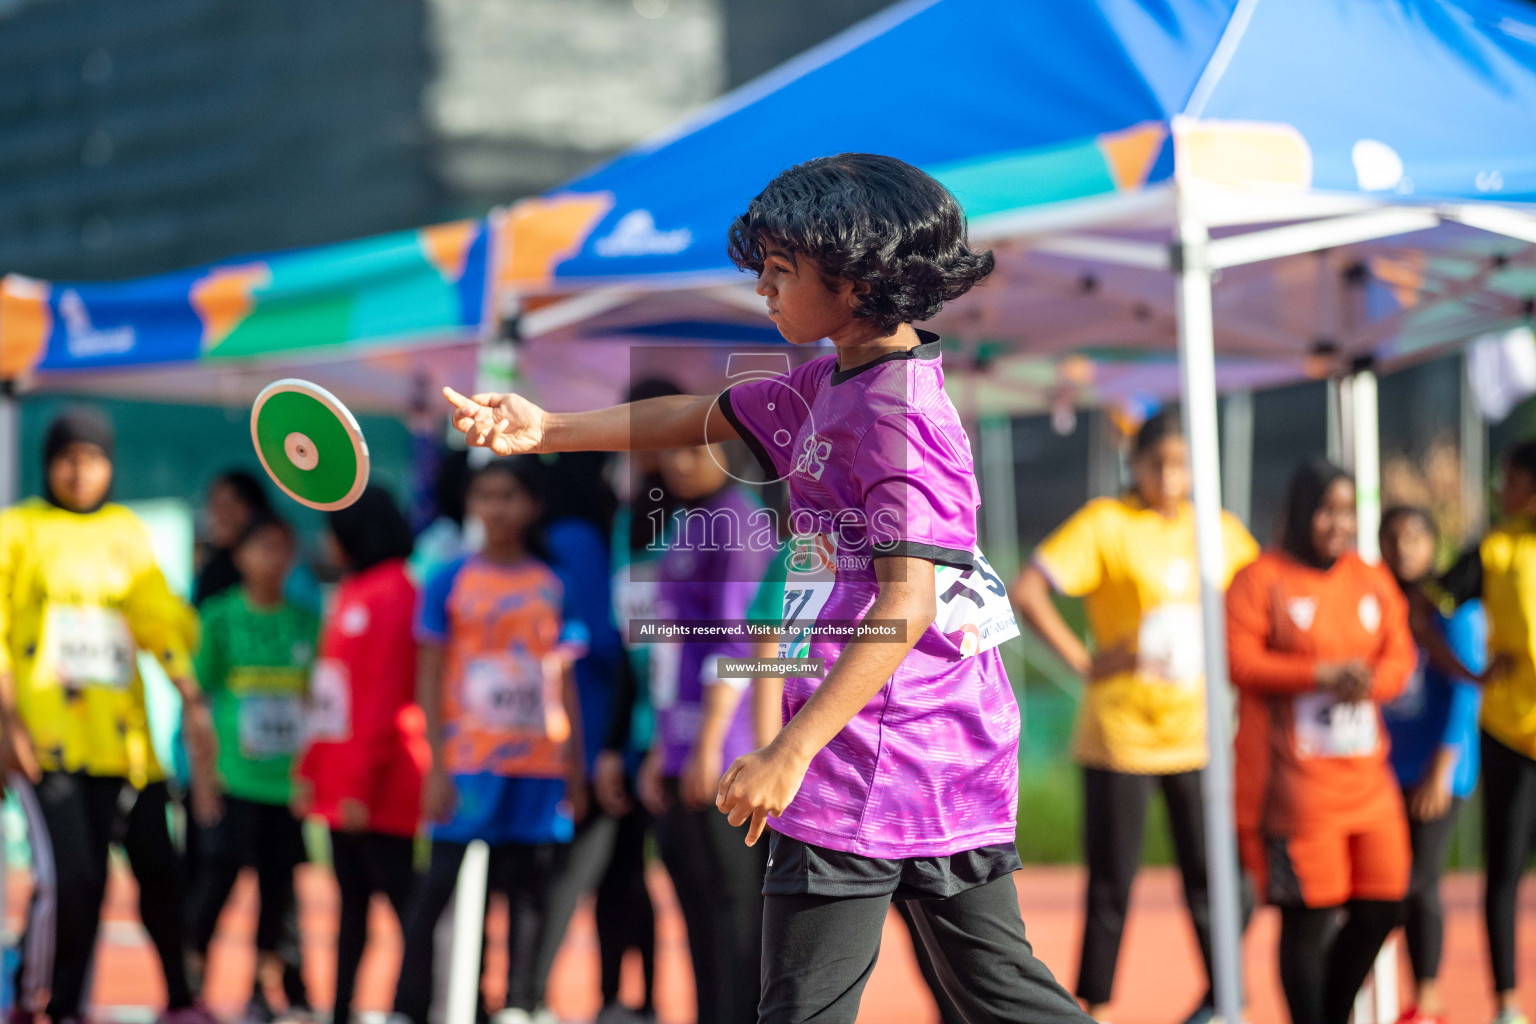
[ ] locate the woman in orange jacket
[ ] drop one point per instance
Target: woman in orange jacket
(1317, 640)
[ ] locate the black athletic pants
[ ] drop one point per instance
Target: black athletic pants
(1423, 918)
(72, 819)
(625, 918)
(268, 838)
(525, 872)
(582, 866)
(608, 855)
(1114, 821)
(949, 1013)
(1326, 953)
(366, 863)
(1509, 816)
(819, 951)
(719, 883)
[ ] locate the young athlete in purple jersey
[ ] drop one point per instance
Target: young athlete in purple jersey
(895, 776)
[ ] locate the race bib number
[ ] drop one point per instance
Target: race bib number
(1328, 727)
(974, 603)
(802, 606)
(666, 667)
(812, 573)
(330, 702)
(1170, 645)
(89, 647)
(506, 692)
(271, 725)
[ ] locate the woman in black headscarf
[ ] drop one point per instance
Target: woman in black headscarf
(81, 596)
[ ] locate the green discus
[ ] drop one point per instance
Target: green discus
(309, 444)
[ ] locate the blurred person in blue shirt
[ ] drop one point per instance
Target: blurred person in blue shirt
(1434, 738)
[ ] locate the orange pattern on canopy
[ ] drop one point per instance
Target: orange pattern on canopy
(25, 321)
(536, 234)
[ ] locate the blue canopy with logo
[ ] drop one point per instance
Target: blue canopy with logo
(1025, 106)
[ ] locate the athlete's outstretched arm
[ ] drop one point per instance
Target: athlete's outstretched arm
(764, 782)
(16, 753)
(509, 424)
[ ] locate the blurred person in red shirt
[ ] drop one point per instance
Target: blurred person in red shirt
(362, 772)
(1317, 640)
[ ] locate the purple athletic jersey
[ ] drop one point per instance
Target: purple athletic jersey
(710, 570)
(877, 457)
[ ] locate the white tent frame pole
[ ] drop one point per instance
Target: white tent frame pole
(10, 445)
(1376, 1001)
(1197, 381)
(1474, 460)
(1498, 220)
(496, 362)
(1314, 236)
(1256, 246)
(1335, 401)
(1237, 455)
(581, 306)
(1365, 439)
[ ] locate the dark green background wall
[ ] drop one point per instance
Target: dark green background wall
(172, 451)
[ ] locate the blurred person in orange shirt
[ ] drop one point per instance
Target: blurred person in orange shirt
(496, 682)
(1142, 724)
(1317, 640)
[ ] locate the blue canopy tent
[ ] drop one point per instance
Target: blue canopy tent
(1355, 175)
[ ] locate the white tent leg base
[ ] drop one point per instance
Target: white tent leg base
(1377, 1002)
(468, 933)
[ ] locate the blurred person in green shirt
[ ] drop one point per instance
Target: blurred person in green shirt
(258, 650)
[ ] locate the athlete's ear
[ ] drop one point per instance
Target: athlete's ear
(856, 292)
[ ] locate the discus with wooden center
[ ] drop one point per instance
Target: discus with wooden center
(309, 444)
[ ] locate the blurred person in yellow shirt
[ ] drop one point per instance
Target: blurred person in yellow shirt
(80, 596)
(1142, 723)
(1500, 570)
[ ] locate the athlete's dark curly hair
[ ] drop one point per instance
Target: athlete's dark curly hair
(870, 219)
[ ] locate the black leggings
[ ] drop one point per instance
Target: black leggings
(625, 918)
(819, 951)
(719, 883)
(1509, 815)
(1423, 918)
(269, 838)
(1323, 962)
(525, 872)
(582, 867)
(365, 863)
(1114, 821)
(72, 818)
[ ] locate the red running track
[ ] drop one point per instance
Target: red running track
(1159, 982)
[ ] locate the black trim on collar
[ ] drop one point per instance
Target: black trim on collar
(927, 348)
(754, 445)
